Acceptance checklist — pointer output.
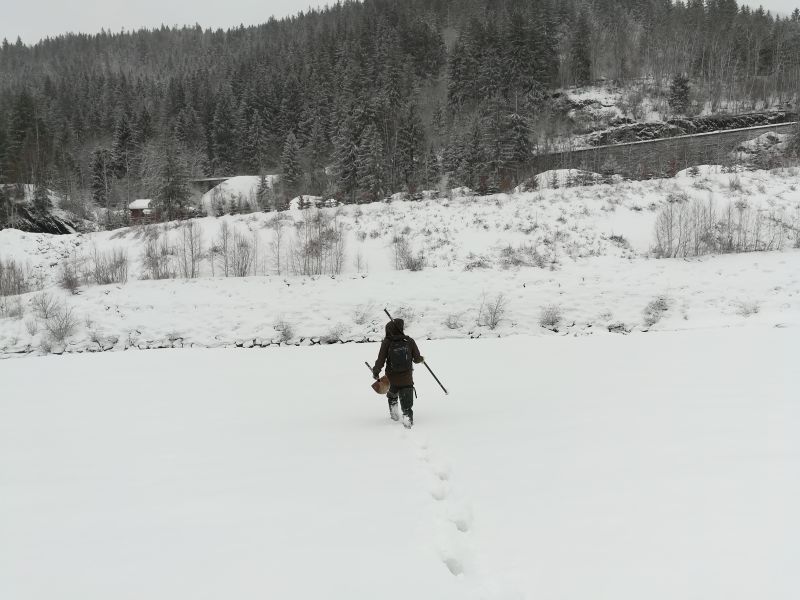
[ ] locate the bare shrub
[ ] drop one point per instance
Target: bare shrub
(407, 313)
(241, 255)
(44, 305)
(62, 324)
(362, 312)
(404, 257)
(359, 263)
(190, 249)
(285, 329)
(619, 240)
(697, 228)
(476, 261)
(11, 307)
(223, 246)
(32, 327)
(454, 321)
(655, 309)
(525, 255)
(276, 246)
(491, 312)
(319, 246)
(335, 334)
(550, 316)
(109, 267)
(69, 276)
(14, 278)
(158, 256)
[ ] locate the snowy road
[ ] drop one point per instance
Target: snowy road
(658, 466)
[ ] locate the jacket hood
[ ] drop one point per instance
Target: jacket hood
(394, 327)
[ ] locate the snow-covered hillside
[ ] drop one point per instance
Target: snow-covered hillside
(580, 252)
(656, 466)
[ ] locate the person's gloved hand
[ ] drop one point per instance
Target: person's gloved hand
(376, 374)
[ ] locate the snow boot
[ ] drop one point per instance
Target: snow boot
(394, 411)
(408, 420)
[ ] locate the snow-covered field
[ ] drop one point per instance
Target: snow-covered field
(654, 466)
(584, 250)
(568, 461)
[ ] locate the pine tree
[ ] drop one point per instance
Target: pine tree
(291, 172)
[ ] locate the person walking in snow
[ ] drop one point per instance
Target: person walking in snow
(399, 352)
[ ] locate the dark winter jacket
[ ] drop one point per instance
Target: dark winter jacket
(405, 378)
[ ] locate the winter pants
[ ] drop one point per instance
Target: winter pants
(406, 395)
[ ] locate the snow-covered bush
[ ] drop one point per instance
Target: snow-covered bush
(335, 334)
(407, 313)
(746, 308)
(655, 309)
(550, 316)
(363, 313)
(285, 329)
(491, 312)
(477, 261)
(524, 255)
(454, 321)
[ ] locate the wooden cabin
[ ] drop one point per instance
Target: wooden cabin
(142, 211)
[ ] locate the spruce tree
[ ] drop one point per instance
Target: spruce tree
(101, 173)
(517, 148)
(42, 205)
(346, 146)
(410, 145)
(679, 93)
(580, 56)
(173, 189)
(5, 206)
(291, 173)
(122, 147)
(371, 178)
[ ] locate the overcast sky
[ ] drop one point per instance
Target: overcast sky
(34, 19)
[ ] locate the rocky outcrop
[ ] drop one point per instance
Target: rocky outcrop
(25, 219)
(639, 132)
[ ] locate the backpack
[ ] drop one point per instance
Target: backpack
(399, 354)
